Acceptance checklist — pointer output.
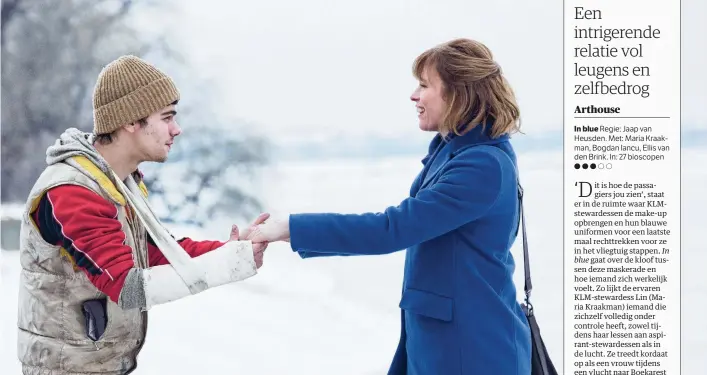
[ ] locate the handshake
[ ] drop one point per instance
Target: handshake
(261, 232)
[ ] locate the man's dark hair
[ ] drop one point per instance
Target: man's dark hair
(107, 138)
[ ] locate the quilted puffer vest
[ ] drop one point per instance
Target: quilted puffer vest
(52, 336)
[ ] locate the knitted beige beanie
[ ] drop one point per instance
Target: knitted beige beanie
(129, 89)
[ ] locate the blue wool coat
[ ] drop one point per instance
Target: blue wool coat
(459, 312)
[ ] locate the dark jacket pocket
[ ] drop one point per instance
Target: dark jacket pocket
(428, 304)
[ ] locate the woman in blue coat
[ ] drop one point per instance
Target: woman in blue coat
(459, 313)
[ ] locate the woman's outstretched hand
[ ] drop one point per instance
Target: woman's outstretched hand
(270, 231)
(259, 247)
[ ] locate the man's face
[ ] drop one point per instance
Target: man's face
(154, 139)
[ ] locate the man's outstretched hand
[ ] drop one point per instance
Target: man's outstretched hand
(259, 246)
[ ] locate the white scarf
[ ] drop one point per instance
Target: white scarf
(229, 263)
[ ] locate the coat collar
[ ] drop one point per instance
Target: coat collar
(442, 149)
(478, 135)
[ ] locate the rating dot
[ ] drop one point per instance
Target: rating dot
(576, 166)
(593, 166)
(585, 165)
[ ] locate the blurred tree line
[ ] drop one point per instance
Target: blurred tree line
(52, 53)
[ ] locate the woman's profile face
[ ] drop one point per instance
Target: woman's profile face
(429, 100)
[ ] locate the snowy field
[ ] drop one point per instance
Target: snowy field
(340, 315)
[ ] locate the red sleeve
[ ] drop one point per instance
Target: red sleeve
(88, 228)
(193, 248)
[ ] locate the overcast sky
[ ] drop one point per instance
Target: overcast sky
(312, 68)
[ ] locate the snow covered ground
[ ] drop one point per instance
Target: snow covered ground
(340, 315)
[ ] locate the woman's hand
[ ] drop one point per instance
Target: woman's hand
(259, 247)
(270, 231)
